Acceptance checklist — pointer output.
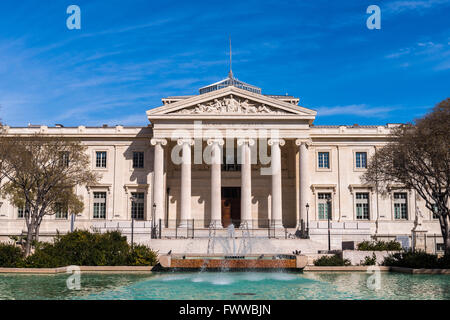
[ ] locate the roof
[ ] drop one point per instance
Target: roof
(230, 81)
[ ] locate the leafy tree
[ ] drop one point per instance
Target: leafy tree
(39, 173)
(418, 157)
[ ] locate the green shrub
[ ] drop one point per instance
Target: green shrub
(444, 262)
(142, 256)
(417, 260)
(379, 246)
(11, 256)
(369, 261)
(84, 248)
(335, 260)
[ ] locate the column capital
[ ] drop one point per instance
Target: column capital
(306, 142)
(242, 141)
(155, 141)
(278, 141)
(212, 141)
(188, 141)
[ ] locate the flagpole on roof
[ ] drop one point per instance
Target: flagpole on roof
(230, 74)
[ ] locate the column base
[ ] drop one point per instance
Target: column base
(185, 224)
(277, 224)
(246, 224)
(216, 224)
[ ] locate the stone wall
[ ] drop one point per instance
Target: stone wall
(356, 256)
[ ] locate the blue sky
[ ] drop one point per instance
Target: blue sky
(130, 54)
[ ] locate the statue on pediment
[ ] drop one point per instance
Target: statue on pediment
(249, 108)
(263, 108)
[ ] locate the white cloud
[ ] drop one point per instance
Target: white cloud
(443, 66)
(399, 53)
(361, 110)
(436, 53)
(138, 119)
(404, 5)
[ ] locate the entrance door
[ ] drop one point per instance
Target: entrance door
(231, 206)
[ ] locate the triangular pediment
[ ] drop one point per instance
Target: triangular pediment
(230, 101)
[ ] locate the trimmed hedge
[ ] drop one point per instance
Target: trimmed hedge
(335, 260)
(379, 246)
(417, 260)
(83, 248)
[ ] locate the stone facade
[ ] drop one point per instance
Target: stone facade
(307, 164)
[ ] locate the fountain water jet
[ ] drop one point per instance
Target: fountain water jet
(233, 257)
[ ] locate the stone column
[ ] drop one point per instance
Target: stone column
(304, 179)
(185, 196)
(277, 204)
(158, 178)
(246, 181)
(216, 183)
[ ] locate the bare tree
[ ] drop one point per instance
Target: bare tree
(418, 157)
(40, 173)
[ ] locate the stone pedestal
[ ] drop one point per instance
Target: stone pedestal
(419, 241)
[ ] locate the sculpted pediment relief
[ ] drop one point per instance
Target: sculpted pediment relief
(230, 102)
(231, 106)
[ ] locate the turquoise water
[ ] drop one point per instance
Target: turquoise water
(216, 285)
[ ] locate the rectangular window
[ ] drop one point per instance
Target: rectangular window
(100, 160)
(362, 206)
(400, 205)
(137, 205)
(99, 205)
(138, 159)
(441, 198)
(361, 160)
(64, 158)
(60, 211)
(324, 206)
(21, 212)
(324, 160)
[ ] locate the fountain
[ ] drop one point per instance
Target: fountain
(234, 256)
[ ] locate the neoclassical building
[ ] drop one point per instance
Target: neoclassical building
(232, 155)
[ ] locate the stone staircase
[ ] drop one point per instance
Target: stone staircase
(240, 245)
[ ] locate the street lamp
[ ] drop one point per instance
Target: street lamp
(307, 221)
(72, 222)
(133, 199)
(329, 217)
(132, 231)
(153, 221)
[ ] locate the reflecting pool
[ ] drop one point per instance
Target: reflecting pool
(217, 285)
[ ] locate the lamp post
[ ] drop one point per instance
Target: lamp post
(307, 221)
(132, 231)
(329, 217)
(72, 222)
(153, 236)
